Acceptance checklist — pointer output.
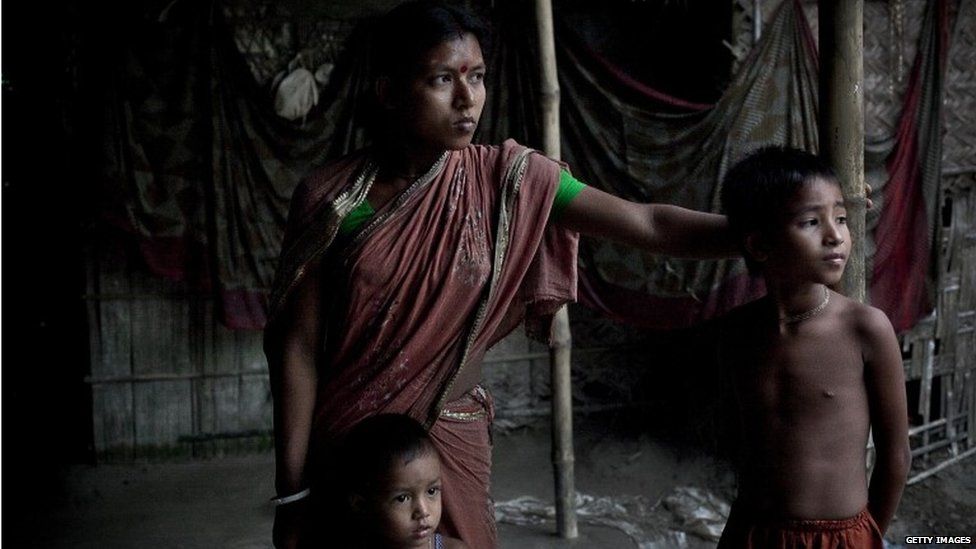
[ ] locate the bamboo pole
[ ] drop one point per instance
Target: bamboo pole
(549, 80)
(842, 119)
(757, 21)
(559, 350)
(926, 474)
(563, 460)
(841, 130)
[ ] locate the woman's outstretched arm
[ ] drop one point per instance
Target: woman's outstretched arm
(294, 382)
(657, 228)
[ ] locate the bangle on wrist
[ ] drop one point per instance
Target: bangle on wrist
(285, 500)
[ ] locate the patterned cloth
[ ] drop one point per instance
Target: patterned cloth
(462, 435)
(444, 270)
(904, 268)
(200, 169)
(650, 148)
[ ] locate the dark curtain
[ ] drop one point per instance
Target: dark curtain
(903, 276)
(200, 170)
(642, 144)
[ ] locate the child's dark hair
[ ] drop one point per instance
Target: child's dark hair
(756, 191)
(375, 444)
(411, 29)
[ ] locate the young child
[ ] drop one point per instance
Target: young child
(810, 371)
(393, 486)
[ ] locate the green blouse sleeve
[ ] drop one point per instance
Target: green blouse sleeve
(569, 187)
(356, 217)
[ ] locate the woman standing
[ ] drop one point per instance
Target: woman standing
(403, 263)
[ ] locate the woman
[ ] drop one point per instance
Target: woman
(403, 263)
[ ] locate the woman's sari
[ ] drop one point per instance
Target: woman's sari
(423, 289)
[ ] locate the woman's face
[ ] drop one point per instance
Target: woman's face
(443, 99)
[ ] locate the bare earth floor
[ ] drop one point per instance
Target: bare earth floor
(222, 503)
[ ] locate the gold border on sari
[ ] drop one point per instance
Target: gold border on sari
(512, 182)
(319, 234)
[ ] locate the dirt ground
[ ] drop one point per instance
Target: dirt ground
(941, 505)
(616, 457)
(223, 502)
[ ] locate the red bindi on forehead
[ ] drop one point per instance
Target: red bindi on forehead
(464, 69)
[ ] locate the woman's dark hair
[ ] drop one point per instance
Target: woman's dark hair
(377, 443)
(411, 29)
(756, 191)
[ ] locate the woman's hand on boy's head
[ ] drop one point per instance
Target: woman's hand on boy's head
(868, 203)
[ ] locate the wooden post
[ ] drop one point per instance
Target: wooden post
(842, 119)
(563, 460)
(559, 350)
(842, 129)
(549, 81)
(757, 21)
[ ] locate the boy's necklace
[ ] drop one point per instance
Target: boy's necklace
(800, 317)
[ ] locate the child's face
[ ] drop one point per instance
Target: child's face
(814, 243)
(409, 510)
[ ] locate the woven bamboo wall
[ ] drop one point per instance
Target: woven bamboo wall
(167, 379)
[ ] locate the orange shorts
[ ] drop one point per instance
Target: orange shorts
(857, 532)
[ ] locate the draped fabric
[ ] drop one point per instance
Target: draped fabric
(440, 274)
(651, 147)
(903, 276)
(463, 439)
(200, 170)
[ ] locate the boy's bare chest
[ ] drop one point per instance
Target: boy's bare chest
(801, 371)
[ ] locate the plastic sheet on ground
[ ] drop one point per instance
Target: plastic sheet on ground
(665, 523)
(698, 511)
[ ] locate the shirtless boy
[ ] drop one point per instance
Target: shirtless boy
(811, 371)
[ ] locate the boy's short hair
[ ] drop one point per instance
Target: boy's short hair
(756, 190)
(375, 444)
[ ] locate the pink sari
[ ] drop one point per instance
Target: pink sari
(424, 288)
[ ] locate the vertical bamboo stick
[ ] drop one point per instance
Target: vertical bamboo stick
(757, 21)
(562, 426)
(549, 82)
(842, 127)
(842, 119)
(559, 351)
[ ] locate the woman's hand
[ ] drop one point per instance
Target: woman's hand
(294, 385)
(289, 522)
